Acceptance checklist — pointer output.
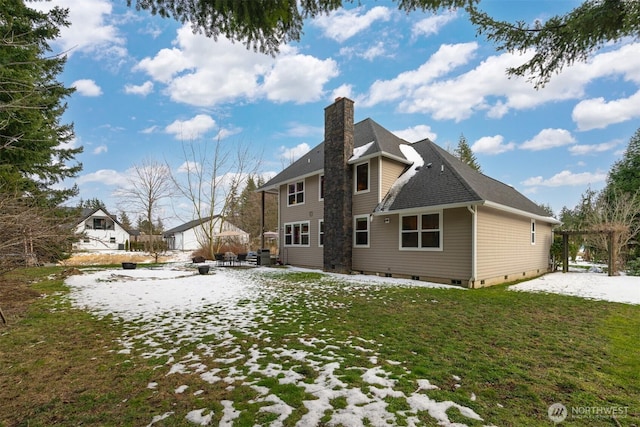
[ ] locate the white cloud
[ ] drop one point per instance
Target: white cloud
(566, 178)
(578, 150)
(374, 51)
(292, 154)
(597, 113)
(416, 133)
(292, 73)
(87, 87)
(492, 145)
(432, 24)
(188, 166)
(299, 130)
(89, 31)
(100, 149)
(343, 24)
(104, 176)
(342, 91)
(191, 129)
(144, 89)
(447, 58)
(198, 71)
(486, 88)
(150, 129)
(548, 138)
(226, 133)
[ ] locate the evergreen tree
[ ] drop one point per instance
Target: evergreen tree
(93, 203)
(625, 174)
(465, 154)
(248, 210)
(32, 160)
(125, 221)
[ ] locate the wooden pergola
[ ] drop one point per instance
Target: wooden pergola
(565, 247)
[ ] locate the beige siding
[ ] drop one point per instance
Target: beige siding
(384, 256)
(365, 202)
(505, 252)
(391, 170)
(311, 210)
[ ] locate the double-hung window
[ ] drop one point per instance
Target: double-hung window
(321, 188)
(321, 232)
(361, 231)
(421, 231)
(296, 234)
(295, 193)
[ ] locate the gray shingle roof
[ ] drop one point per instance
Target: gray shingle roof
(449, 181)
(366, 131)
(188, 225)
(458, 183)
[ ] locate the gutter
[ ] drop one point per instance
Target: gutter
(474, 244)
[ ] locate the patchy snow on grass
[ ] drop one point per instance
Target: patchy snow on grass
(165, 310)
(597, 286)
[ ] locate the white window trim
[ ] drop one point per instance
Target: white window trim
(320, 198)
(320, 233)
(304, 190)
(533, 232)
(355, 218)
(355, 178)
(293, 245)
(419, 215)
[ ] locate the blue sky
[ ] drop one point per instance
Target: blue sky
(147, 86)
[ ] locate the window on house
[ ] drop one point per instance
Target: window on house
(421, 231)
(533, 231)
(321, 187)
(87, 240)
(112, 240)
(361, 231)
(99, 224)
(296, 234)
(321, 232)
(296, 193)
(362, 177)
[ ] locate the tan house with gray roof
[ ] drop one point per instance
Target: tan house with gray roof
(365, 200)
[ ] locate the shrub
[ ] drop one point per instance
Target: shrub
(633, 267)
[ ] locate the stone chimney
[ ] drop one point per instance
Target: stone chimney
(338, 186)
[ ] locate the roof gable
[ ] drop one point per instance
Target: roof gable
(382, 142)
(87, 213)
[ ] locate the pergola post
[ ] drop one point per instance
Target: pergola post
(262, 230)
(565, 252)
(612, 261)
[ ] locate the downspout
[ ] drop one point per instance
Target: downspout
(474, 244)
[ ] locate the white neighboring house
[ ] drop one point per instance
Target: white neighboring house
(101, 231)
(188, 236)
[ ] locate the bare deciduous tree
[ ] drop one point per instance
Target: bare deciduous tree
(30, 233)
(210, 179)
(149, 185)
(617, 213)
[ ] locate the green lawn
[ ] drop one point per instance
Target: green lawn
(505, 355)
